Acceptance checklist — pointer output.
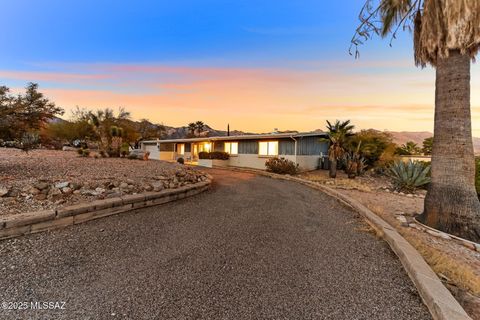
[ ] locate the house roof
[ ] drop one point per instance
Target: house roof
(242, 137)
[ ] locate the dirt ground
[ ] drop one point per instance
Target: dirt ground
(45, 179)
(456, 265)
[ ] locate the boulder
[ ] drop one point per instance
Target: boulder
(67, 190)
(54, 193)
(4, 191)
(157, 186)
(61, 185)
(41, 185)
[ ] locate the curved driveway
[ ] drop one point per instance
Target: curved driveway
(249, 248)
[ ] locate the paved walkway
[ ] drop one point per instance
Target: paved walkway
(250, 248)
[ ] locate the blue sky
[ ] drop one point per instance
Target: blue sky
(254, 64)
(242, 33)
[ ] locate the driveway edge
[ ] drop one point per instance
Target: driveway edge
(439, 301)
(33, 222)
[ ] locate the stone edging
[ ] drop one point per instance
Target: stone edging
(440, 302)
(466, 243)
(33, 222)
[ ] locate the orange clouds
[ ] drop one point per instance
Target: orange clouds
(386, 95)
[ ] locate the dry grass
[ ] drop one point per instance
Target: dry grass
(460, 273)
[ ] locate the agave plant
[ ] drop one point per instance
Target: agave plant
(409, 176)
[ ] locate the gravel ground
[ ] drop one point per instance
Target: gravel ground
(46, 179)
(250, 248)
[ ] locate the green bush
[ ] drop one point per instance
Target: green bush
(181, 160)
(281, 165)
(216, 155)
(409, 176)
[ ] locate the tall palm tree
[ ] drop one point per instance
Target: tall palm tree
(446, 35)
(191, 129)
(200, 126)
(338, 134)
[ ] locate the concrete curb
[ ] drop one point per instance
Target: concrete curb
(439, 301)
(33, 222)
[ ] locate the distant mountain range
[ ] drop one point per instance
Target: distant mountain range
(403, 136)
(399, 137)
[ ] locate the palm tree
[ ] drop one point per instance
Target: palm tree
(338, 134)
(200, 126)
(191, 129)
(409, 148)
(446, 35)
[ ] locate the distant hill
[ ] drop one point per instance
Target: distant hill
(403, 136)
(182, 132)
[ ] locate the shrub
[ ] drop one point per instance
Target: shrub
(80, 151)
(113, 153)
(124, 149)
(409, 176)
(181, 160)
(103, 154)
(281, 165)
(216, 155)
(86, 153)
(29, 141)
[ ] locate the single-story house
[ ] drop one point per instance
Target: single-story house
(250, 151)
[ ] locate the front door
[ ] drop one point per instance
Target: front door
(194, 151)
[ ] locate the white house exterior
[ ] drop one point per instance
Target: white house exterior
(249, 151)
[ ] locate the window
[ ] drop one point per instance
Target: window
(268, 148)
(181, 148)
(205, 147)
(231, 147)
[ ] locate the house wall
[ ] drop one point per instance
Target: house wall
(167, 155)
(153, 149)
(309, 150)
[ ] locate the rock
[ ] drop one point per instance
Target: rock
(401, 219)
(172, 185)
(410, 195)
(61, 185)
(76, 192)
(75, 186)
(41, 185)
(131, 187)
(113, 195)
(4, 191)
(433, 233)
(41, 196)
(157, 186)
(34, 191)
(67, 190)
(54, 193)
(100, 190)
(130, 181)
(149, 187)
(88, 192)
(123, 185)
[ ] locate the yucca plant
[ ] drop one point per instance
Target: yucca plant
(409, 176)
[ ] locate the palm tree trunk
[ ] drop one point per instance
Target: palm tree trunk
(333, 168)
(452, 203)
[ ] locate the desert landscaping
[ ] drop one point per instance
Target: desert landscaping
(46, 179)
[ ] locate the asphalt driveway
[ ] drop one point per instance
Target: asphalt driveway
(250, 248)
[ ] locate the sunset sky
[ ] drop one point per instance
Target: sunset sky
(257, 65)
